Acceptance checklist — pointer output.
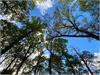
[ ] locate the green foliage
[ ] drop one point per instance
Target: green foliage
(59, 45)
(35, 25)
(55, 60)
(66, 1)
(29, 43)
(84, 5)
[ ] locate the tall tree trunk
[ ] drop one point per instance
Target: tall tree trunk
(50, 60)
(20, 65)
(84, 62)
(10, 63)
(38, 62)
(14, 43)
(71, 65)
(4, 60)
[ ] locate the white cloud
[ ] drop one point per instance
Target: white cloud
(97, 55)
(2, 17)
(72, 3)
(8, 18)
(39, 33)
(44, 6)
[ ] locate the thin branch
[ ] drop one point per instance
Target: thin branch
(71, 65)
(84, 62)
(38, 62)
(25, 57)
(83, 36)
(97, 37)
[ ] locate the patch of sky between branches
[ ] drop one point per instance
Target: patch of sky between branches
(44, 6)
(80, 16)
(8, 18)
(19, 24)
(83, 44)
(40, 10)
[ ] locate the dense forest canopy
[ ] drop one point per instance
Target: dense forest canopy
(39, 45)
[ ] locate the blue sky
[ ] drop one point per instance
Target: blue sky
(80, 43)
(84, 44)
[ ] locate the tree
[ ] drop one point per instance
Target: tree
(23, 49)
(65, 19)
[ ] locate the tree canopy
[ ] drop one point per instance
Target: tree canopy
(40, 46)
